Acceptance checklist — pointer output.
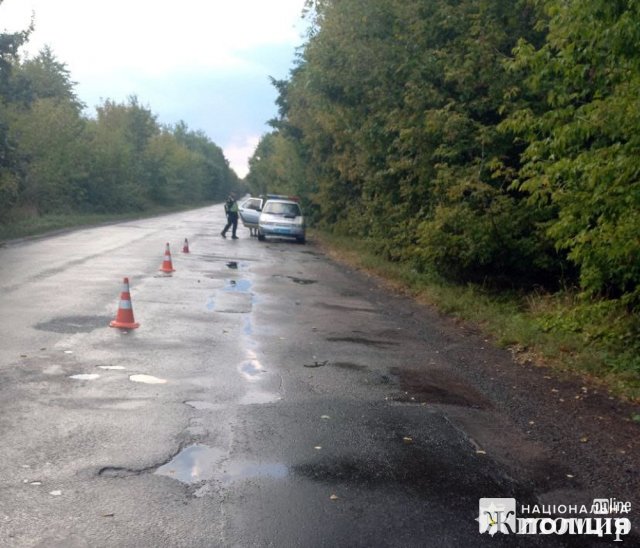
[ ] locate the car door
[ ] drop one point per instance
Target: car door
(250, 211)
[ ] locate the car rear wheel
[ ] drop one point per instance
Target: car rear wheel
(261, 237)
(301, 240)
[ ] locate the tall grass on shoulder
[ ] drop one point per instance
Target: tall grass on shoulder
(596, 338)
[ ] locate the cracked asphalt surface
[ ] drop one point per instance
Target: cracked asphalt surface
(271, 397)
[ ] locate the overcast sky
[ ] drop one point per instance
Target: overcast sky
(206, 62)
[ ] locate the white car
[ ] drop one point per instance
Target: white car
(281, 218)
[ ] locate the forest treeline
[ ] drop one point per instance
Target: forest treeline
(491, 141)
(54, 159)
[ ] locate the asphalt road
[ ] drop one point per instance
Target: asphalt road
(270, 397)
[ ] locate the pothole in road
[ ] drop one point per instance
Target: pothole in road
(437, 387)
(198, 463)
(193, 464)
(74, 324)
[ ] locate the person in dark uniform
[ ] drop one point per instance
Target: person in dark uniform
(231, 209)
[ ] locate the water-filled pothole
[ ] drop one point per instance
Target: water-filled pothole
(241, 285)
(201, 405)
(193, 464)
(147, 379)
(85, 377)
(251, 369)
(198, 463)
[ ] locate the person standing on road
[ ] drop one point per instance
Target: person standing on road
(231, 209)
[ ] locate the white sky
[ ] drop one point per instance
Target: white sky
(206, 62)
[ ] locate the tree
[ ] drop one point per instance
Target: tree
(10, 43)
(577, 113)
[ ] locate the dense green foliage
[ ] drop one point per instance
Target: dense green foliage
(54, 159)
(484, 140)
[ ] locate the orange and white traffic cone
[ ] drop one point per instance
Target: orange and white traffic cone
(167, 265)
(185, 247)
(124, 318)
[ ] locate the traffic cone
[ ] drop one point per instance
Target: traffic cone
(167, 266)
(185, 247)
(124, 318)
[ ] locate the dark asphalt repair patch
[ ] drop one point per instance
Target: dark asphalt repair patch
(437, 386)
(118, 472)
(316, 364)
(350, 366)
(345, 308)
(424, 470)
(302, 281)
(74, 324)
(363, 340)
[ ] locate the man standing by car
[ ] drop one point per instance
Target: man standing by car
(231, 209)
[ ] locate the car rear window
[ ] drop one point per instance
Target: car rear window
(280, 208)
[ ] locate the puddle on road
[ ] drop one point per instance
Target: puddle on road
(248, 327)
(147, 379)
(85, 377)
(198, 463)
(111, 367)
(251, 369)
(201, 405)
(193, 464)
(241, 285)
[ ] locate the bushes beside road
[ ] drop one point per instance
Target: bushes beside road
(490, 144)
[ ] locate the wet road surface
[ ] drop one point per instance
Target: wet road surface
(269, 398)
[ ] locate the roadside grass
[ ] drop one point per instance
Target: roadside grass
(594, 340)
(27, 225)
